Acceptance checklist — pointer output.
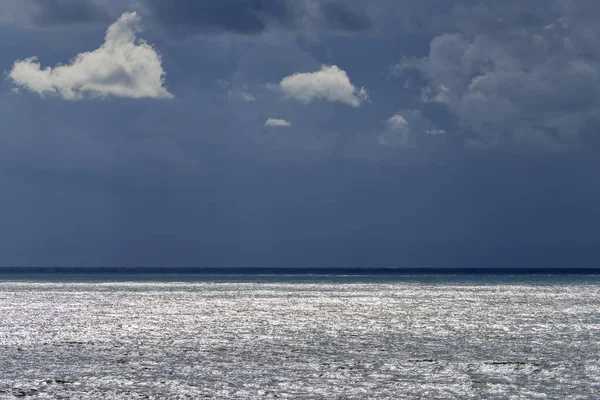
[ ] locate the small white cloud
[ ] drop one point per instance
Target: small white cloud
(404, 128)
(122, 67)
(330, 83)
(397, 133)
(435, 132)
(476, 81)
(397, 121)
(277, 123)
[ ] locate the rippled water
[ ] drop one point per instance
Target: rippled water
(412, 339)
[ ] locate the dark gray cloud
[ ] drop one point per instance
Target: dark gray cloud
(345, 16)
(51, 13)
(256, 16)
(519, 74)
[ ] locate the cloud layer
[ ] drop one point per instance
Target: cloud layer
(122, 67)
(330, 84)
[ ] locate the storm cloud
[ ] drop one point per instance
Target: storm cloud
(250, 17)
(519, 74)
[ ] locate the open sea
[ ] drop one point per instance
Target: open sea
(304, 336)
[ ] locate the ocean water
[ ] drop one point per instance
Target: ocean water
(224, 337)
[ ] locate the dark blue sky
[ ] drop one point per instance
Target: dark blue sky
(300, 133)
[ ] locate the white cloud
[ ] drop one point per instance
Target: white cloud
(397, 122)
(330, 83)
(435, 132)
(403, 129)
(277, 123)
(123, 66)
(397, 132)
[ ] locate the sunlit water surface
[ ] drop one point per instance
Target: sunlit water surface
(413, 338)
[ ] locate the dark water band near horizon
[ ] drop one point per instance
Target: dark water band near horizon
(202, 273)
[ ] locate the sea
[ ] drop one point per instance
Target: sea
(126, 335)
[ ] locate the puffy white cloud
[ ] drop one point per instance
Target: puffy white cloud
(519, 73)
(277, 123)
(123, 66)
(330, 83)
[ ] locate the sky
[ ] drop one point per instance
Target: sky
(287, 133)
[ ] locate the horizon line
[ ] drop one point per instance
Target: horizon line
(253, 270)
